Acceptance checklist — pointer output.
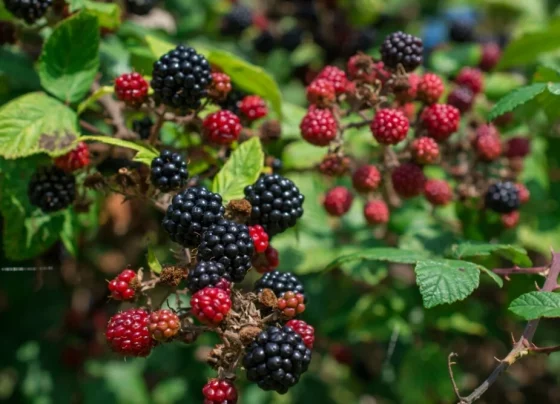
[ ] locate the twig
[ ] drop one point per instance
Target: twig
(154, 134)
(516, 270)
(450, 364)
(524, 346)
(359, 124)
(114, 110)
(89, 127)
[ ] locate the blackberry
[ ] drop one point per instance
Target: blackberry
(232, 101)
(276, 359)
(231, 245)
(502, 197)
(237, 20)
(402, 48)
(191, 212)
(28, 10)
(265, 42)
(181, 77)
(140, 7)
(169, 171)
(291, 39)
(51, 189)
(143, 127)
(276, 203)
(205, 273)
(461, 31)
(279, 283)
(276, 165)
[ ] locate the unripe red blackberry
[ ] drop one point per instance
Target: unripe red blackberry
(376, 212)
(411, 92)
(220, 87)
(321, 93)
(471, 78)
(400, 48)
(524, 194)
(127, 333)
(425, 150)
(163, 325)
(291, 304)
(430, 88)
(517, 147)
(360, 67)
(131, 88)
(306, 331)
(218, 391)
(210, 305)
(51, 189)
(123, 287)
(440, 121)
(389, 126)
(253, 107)
(408, 180)
(267, 261)
(338, 201)
(222, 127)
(336, 76)
(74, 159)
(319, 127)
(491, 54)
(366, 178)
(461, 98)
(510, 220)
(260, 238)
(438, 192)
(28, 10)
(487, 143)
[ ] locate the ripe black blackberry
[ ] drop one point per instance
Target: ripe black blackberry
(276, 203)
(28, 10)
(265, 42)
(237, 20)
(205, 273)
(140, 7)
(143, 127)
(231, 245)
(402, 48)
(291, 39)
(191, 212)
(461, 31)
(51, 189)
(169, 171)
(279, 283)
(276, 359)
(181, 77)
(502, 197)
(232, 101)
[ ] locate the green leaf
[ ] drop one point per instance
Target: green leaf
(242, 168)
(496, 278)
(108, 14)
(450, 61)
(534, 305)
(302, 155)
(36, 123)
(153, 261)
(498, 85)
(515, 254)
(76, 5)
(69, 234)
(446, 281)
(70, 58)
(380, 254)
(146, 153)
(92, 99)
(159, 47)
(515, 99)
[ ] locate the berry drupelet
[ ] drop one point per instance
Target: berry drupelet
(51, 189)
(279, 283)
(169, 171)
(306, 331)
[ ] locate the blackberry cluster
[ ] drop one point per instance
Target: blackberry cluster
(51, 189)
(279, 283)
(169, 171)
(28, 10)
(461, 31)
(231, 245)
(205, 273)
(140, 7)
(237, 20)
(233, 101)
(181, 78)
(276, 359)
(143, 127)
(402, 48)
(276, 203)
(191, 212)
(502, 197)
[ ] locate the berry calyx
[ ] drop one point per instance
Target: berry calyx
(487, 143)
(169, 172)
(123, 287)
(218, 391)
(163, 325)
(319, 127)
(440, 121)
(425, 150)
(366, 178)
(404, 49)
(131, 88)
(222, 127)
(291, 304)
(430, 88)
(210, 305)
(338, 201)
(127, 333)
(376, 212)
(321, 93)
(471, 78)
(74, 159)
(220, 87)
(336, 77)
(253, 107)
(260, 238)
(389, 126)
(408, 180)
(438, 192)
(306, 331)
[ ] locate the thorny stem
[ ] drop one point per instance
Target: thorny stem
(516, 270)
(521, 348)
(154, 134)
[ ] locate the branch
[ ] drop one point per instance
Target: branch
(516, 270)
(524, 346)
(114, 110)
(359, 124)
